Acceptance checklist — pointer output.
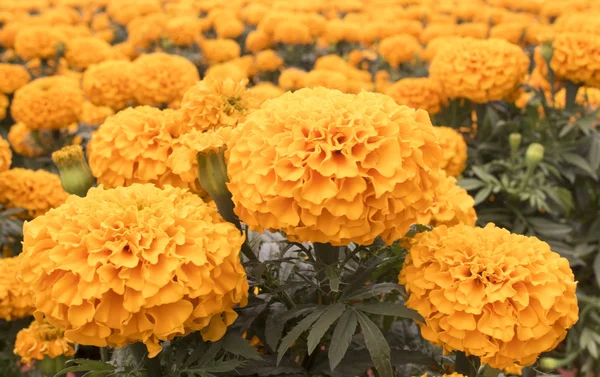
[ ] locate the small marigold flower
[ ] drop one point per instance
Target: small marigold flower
(22, 141)
(162, 78)
(480, 70)
(292, 79)
(5, 155)
(220, 50)
(181, 273)
(144, 32)
(264, 91)
(292, 32)
(454, 150)
(418, 93)
(182, 30)
(40, 42)
(48, 103)
(437, 45)
(93, 115)
(513, 32)
(109, 83)
(4, 102)
(268, 60)
(436, 30)
(258, 40)
(229, 29)
(84, 51)
(575, 58)
(12, 77)
(36, 191)
(40, 340)
(398, 49)
(16, 301)
(327, 78)
(478, 30)
(123, 11)
(502, 297)
(311, 167)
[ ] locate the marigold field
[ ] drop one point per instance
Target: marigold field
(299, 188)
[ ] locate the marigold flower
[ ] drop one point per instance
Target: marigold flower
(575, 58)
(93, 115)
(162, 78)
(398, 49)
(503, 297)
(84, 51)
(438, 44)
(292, 79)
(145, 32)
(48, 103)
(4, 102)
(22, 142)
(40, 340)
(264, 91)
(5, 155)
(183, 244)
(220, 50)
(36, 191)
(454, 150)
(123, 11)
(337, 30)
(182, 30)
(38, 42)
(452, 205)
(513, 32)
(16, 301)
(12, 77)
(478, 30)
(436, 30)
(224, 71)
(229, 29)
(480, 70)
(418, 93)
(327, 78)
(292, 32)
(253, 13)
(110, 83)
(268, 60)
(257, 40)
(337, 63)
(311, 166)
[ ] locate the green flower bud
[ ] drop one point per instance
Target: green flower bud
(75, 174)
(514, 140)
(547, 52)
(534, 154)
(51, 366)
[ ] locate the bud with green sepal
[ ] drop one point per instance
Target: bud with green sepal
(75, 174)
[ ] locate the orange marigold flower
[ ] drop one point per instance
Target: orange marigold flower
(4, 102)
(268, 60)
(12, 77)
(502, 297)
(123, 11)
(38, 42)
(337, 63)
(224, 71)
(23, 143)
(514, 32)
(327, 78)
(398, 49)
(220, 50)
(181, 273)
(161, 78)
(109, 83)
(454, 150)
(576, 57)
(264, 91)
(93, 115)
(183, 30)
(305, 163)
(258, 40)
(292, 32)
(436, 30)
(34, 190)
(292, 79)
(84, 51)
(41, 340)
(5, 155)
(49, 103)
(16, 300)
(418, 93)
(478, 30)
(253, 13)
(438, 44)
(480, 70)
(229, 29)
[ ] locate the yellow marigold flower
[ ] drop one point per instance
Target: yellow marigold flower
(418, 93)
(454, 150)
(514, 32)
(22, 142)
(5, 155)
(12, 77)
(576, 58)
(144, 31)
(539, 33)
(478, 30)
(4, 102)
(161, 78)
(84, 51)
(48, 103)
(337, 30)
(182, 30)
(38, 42)
(436, 30)
(34, 190)
(264, 91)
(181, 273)
(72, 31)
(229, 29)
(253, 13)
(412, 27)
(357, 86)
(16, 300)
(93, 115)
(220, 50)
(304, 164)
(326, 78)
(123, 11)
(212, 103)
(258, 40)
(41, 339)
(126, 49)
(438, 44)
(268, 60)
(292, 79)
(503, 297)
(337, 63)
(292, 32)
(224, 71)
(110, 83)
(480, 70)
(398, 49)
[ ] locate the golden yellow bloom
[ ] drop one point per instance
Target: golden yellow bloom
(398, 49)
(268, 60)
(48, 103)
(12, 77)
(503, 297)
(292, 79)
(513, 32)
(576, 57)
(229, 29)
(5, 155)
(93, 115)
(40, 340)
(180, 273)
(338, 30)
(34, 190)
(16, 301)
(480, 70)
(436, 30)
(161, 78)
(212, 103)
(478, 30)
(143, 32)
(182, 30)
(539, 33)
(258, 40)
(224, 71)
(327, 78)
(38, 42)
(110, 83)
(22, 142)
(438, 44)
(84, 51)
(337, 63)
(253, 13)
(292, 32)
(123, 11)
(454, 150)
(418, 93)
(220, 50)
(306, 163)
(4, 102)
(264, 91)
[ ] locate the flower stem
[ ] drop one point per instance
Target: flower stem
(465, 365)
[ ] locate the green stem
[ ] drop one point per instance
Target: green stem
(527, 177)
(571, 95)
(104, 354)
(139, 353)
(467, 366)
(326, 255)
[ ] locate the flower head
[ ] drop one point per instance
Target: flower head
(575, 58)
(4, 102)
(40, 42)
(292, 79)
(258, 40)
(84, 51)
(123, 11)
(418, 93)
(22, 142)
(183, 30)
(40, 340)
(264, 91)
(398, 49)
(16, 301)
(220, 50)
(110, 83)
(503, 297)
(325, 166)
(268, 60)
(93, 115)
(12, 77)
(454, 150)
(5, 155)
(168, 265)
(292, 32)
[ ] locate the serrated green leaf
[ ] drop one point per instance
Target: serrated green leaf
(85, 365)
(549, 228)
(333, 277)
(373, 290)
(239, 346)
(389, 308)
(482, 195)
(223, 366)
(277, 319)
(295, 333)
(470, 184)
(331, 314)
(378, 347)
(342, 336)
(581, 163)
(211, 353)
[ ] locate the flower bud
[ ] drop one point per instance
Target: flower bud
(547, 52)
(549, 363)
(534, 154)
(514, 140)
(51, 366)
(75, 174)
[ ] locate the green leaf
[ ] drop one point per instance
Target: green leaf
(211, 353)
(373, 290)
(482, 195)
(277, 319)
(594, 153)
(581, 163)
(235, 344)
(378, 347)
(470, 184)
(295, 333)
(597, 268)
(331, 314)
(550, 228)
(333, 277)
(483, 175)
(85, 365)
(389, 308)
(223, 366)
(342, 336)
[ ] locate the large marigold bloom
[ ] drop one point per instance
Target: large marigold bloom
(16, 301)
(503, 297)
(12, 77)
(576, 57)
(110, 83)
(398, 49)
(5, 155)
(213, 102)
(418, 93)
(38, 42)
(84, 51)
(325, 166)
(36, 191)
(41, 339)
(168, 265)
(162, 78)
(480, 70)
(48, 103)
(454, 150)
(452, 205)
